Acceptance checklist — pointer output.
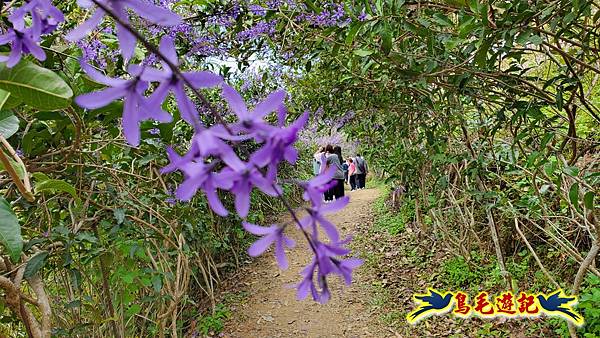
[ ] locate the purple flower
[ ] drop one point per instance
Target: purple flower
(44, 17)
(171, 201)
(314, 188)
(257, 10)
(244, 178)
(169, 81)
(316, 216)
(362, 16)
(148, 11)
(270, 235)
(325, 263)
(154, 131)
(251, 121)
(136, 107)
(24, 42)
(197, 176)
(278, 144)
(261, 28)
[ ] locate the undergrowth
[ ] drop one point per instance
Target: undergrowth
(479, 272)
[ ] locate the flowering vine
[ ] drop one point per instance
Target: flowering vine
(211, 162)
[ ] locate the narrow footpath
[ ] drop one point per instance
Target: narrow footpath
(271, 308)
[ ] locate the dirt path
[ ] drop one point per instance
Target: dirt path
(271, 308)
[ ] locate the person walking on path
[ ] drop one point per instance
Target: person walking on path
(333, 160)
(351, 174)
(361, 171)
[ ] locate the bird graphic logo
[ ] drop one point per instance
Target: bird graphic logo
(429, 304)
(557, 303)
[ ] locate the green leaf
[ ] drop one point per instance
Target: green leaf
(379, 5)
(571, 171)
(363, 52)
(574, 195)
(4, 95)
(442, 20)
(53, 185)
(36, 86)
(354, 29)
(312, 6)
(16, 166)
(386, 41)
(481, 55)
(10, 231)
(559, 99)
(535, 39)
(9, 124)
(12, 102)
(133, 309)
(157, 283)
(35, 263)
(588, 200)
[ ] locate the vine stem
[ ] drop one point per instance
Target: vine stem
(24, 186)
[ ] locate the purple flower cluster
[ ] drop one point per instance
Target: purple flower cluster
(257, 10)
(332, 15)
(259, 29)
(206, 46)
(25, 39)
(94, 51)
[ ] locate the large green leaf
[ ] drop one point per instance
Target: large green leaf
(574, 195)
(36, 86)
(35, 263)
(9, 124)
(44, 183)
(10, 231)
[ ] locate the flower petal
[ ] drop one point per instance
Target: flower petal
(338, 204)
(203, 79)
(272, 103)
(131, 121)
(186, 106)
(280, 253)
(215, 203)
(261, 245)
(34, 49)
(99, 77)
(100, 98)
(258, 230)
(90, 24)
(153, 13)
(127, 42)
(235, 100)
(242, 200)
(167, 48)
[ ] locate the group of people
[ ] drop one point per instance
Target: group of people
(352, 171)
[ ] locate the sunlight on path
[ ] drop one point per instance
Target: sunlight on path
(272, 310)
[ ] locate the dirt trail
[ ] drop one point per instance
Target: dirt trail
(271, 309)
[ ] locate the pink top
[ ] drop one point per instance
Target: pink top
(351, 169)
